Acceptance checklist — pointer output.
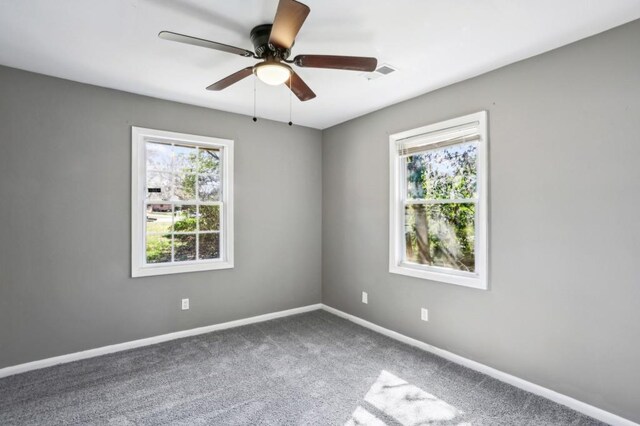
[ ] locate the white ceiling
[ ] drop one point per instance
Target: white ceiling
(433, 43)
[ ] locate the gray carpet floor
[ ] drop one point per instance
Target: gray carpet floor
(311, 369)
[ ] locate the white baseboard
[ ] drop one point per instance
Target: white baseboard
(565, 400)
(48, 362)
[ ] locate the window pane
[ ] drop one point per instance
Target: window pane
(159, 218)
(158, 233)
(185, 218)
(159, 186)
(441, 235)
(209, 188)
(158, 248)
(209, 246)
(443, 173)
(185, 159)
(184, 247)
(185, 189)
(158, 156)
(209, 161)
(209, 218)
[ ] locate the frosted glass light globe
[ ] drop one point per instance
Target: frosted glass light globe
(273, 73)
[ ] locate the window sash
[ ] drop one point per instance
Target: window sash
(196, 232)
(174, 174)
(441, 201)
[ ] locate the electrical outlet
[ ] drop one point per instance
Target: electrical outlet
(424, 314)
(185, 304)
(365, 297)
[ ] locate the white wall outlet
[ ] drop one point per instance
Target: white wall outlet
(365, 297)
(424, 314)
(185, 304)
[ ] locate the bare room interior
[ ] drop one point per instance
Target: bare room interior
(280, 212)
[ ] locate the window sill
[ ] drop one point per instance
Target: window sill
(151, 270)
(475, 281)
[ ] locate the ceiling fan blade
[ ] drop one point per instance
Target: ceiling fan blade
(352, 63)
(289, 19)
(231, 79)
(299, 88)
(168, 35)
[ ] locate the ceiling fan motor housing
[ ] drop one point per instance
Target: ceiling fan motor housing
(260, 39)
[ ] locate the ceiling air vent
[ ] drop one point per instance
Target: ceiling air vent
(382, 71)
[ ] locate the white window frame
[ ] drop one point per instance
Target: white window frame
(397, 200)
(139, 268)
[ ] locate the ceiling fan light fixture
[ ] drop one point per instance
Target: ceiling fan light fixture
(272, 73)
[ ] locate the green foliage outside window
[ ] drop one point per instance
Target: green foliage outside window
(440, 228)
(184, 169)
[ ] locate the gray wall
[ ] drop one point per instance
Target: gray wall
(65, 196)
(562, 310)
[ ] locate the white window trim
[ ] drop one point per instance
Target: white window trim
(479, 279)
(139, 136)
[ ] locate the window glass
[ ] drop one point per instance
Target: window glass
(441, 235)
(443, 173)
(159, 157)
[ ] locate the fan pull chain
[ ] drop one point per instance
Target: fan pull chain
(254, 100)
(290, 99)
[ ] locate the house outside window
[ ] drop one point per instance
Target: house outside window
(438, 202)
(182, 203)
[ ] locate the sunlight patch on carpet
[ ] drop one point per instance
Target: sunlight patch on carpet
(405, 403)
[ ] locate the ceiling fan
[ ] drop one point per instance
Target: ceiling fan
(272, 44)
